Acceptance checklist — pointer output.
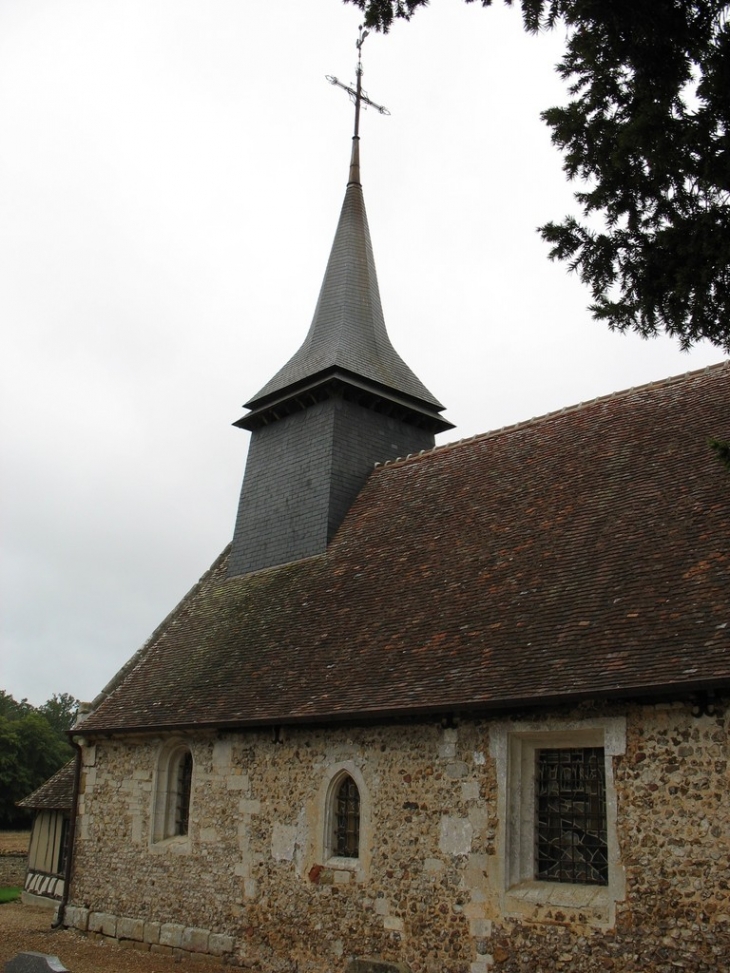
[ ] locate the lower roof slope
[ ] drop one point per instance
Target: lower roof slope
(56, 794)
(582, 554)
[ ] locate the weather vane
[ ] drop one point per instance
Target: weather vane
(357, 95)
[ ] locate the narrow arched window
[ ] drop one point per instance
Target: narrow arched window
(173, 791)
(347, 819)
(181, 793)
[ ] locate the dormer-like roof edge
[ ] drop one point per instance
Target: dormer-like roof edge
(337, 380)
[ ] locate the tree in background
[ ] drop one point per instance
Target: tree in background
(33, 746)
(60, 711)
(646, 134)
(11, 709)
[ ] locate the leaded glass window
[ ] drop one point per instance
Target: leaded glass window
(347, 819)
(570, 808)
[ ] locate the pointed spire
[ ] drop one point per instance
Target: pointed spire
(347, 336)
(348, 328)
(345, 401)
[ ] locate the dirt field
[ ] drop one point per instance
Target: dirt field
(13, 842)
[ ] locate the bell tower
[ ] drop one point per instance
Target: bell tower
(345, 401)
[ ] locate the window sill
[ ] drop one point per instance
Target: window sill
(341, 864)
(540, 900)
(176, 845)
(340, 871)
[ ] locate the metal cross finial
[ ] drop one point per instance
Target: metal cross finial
(357, 95)
(359, 42)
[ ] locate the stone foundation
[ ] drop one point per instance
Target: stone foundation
(169, 938)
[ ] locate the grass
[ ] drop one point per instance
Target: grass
(9, 894)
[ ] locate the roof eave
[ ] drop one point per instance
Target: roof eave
(333, 380)
(671, 690)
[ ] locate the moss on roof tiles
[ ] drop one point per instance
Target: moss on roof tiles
(584, 553)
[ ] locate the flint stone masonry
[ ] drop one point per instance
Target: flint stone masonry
(429, 889)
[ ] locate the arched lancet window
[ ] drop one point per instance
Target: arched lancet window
(346, 818)
(173, 792)
(182, 793)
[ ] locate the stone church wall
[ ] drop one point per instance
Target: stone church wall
(434, 887)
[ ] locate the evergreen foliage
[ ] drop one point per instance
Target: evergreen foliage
(646, 135)
(33, 746)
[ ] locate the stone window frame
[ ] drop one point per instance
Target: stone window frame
(359, 867)
(514, 747)
(165, 799)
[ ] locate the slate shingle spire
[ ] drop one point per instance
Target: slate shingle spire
(343, 402)
(348, 332)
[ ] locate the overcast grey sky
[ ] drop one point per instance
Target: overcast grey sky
(171, 173)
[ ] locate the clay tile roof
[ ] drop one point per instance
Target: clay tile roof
(583, 554)
(56, 794)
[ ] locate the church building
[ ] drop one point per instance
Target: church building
(438, 709)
